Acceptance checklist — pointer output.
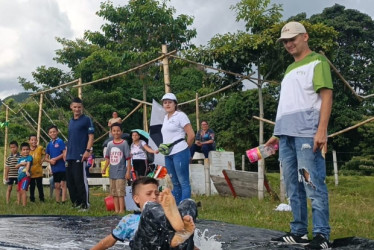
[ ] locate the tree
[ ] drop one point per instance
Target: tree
(131, 35)
(353, 57)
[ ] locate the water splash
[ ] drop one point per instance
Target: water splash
(204, 242)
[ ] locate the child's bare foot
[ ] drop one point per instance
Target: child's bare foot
(188, 230)
(167, 202)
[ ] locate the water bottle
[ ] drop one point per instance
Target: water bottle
(261, 152)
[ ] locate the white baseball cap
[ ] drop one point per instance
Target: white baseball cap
(169, 96)
(291, 30)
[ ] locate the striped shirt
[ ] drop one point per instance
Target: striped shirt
(11, 163)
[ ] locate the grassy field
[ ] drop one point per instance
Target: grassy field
(351, 206)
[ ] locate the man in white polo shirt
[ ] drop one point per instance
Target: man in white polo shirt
(301, 130)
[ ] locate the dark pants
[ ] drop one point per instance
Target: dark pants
(38, 182)
(76, 181)
(205, 149)
(140, 167)
(154, 230)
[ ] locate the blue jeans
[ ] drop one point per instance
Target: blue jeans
(304, 174)
(178, 166)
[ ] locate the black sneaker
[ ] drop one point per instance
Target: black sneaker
(319, 242)
(291, 238)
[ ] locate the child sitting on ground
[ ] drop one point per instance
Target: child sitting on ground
(117, 153)
(146, 196)
(10, 173)
(24, 176)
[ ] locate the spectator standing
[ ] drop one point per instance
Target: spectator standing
(54, 156)
(24, 176)
(117, 153)
(139, 149)
(301, 128)
(204, 140)
(80, 141)
(11, 173)
(38, 154)
(175, 127)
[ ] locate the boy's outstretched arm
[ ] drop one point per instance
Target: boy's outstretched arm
(105, 243)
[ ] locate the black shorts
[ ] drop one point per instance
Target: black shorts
(12, 181)
(59, 176)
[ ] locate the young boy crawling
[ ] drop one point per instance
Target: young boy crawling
(161, 224)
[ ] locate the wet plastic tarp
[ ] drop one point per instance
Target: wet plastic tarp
(21, 232)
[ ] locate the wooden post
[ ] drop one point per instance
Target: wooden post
(335, 167)
(281, 184)
(243, 162)
(80, 88)
(145, 118)
(165, 65)
(39, 117)
(261, 163)
(6, 138)
(207, 177)
(197, 113)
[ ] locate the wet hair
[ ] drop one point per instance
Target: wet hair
(144, 180)
(32, 135)
(116, 124)
(76, 100)
(13, 143)
(52, 126)
(25, 144)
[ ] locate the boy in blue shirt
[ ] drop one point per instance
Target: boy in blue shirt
(54, 156)
(24, 176)
(146, 196)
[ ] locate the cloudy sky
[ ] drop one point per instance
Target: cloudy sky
(28, 27)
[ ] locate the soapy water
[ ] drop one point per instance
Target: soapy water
(69, 232)
(202, 241)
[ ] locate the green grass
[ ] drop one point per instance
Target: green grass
(351, 207)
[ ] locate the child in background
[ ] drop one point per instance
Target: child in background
(117, 154)
(11, 173)
(54, 156)
(24, 177)
(90, 163)
(38, 154)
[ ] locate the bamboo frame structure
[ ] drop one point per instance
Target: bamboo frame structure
(127, 71)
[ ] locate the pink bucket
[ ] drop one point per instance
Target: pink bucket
(109, 203)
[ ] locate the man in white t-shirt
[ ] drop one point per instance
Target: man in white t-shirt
(301, 129)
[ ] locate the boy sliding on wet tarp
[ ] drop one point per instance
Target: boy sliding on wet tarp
(161, 224)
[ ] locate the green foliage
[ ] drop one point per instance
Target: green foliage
(359, 165)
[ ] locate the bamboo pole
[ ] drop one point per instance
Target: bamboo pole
(127, 71)
(145, 118)
(128, 115)
(214, 92)
(263, 119)
(352, 127)
(165, 66)
(141, 102)
(248, 77)
(261, 163)
(80, 88)
(57, 87)
(39, 116)
(335, 161)
(6, 138)
(197, 113)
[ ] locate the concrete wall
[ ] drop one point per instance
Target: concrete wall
(218, 161)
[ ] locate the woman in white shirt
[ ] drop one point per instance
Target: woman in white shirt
(176, 126)
(139, 149)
